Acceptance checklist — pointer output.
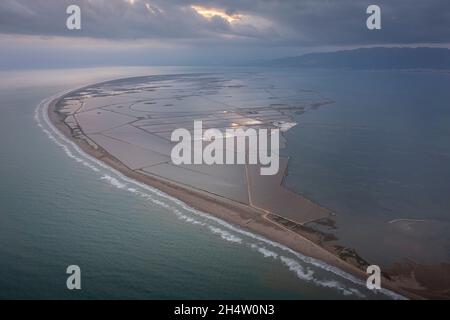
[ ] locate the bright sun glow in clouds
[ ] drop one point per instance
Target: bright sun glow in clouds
(209, 13)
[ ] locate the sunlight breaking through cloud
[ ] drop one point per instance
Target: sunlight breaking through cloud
(210, 13)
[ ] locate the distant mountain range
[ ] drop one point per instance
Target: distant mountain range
(370, 58)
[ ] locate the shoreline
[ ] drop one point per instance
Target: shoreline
(244, 216)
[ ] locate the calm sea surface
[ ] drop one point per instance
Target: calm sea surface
(381, 152)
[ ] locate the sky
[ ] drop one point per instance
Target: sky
(33, 33)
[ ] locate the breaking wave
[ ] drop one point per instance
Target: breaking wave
(296, 262)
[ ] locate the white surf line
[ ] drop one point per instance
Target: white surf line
(43, 107)
(122, 186)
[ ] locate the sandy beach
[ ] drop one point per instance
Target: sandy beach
(261, 222)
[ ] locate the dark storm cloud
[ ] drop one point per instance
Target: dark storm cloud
(267, 22)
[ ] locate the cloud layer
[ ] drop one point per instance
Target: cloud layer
(263, 22)
(33, 33)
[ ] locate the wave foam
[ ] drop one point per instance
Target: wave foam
(121, 182)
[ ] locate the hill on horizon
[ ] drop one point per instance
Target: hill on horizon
(370, 58)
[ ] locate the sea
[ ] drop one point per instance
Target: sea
(380, 152)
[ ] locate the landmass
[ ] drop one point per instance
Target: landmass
(127, 124)
(374, 58)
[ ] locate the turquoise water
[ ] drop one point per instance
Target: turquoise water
(59, 208)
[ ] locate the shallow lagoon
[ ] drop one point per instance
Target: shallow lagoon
(379, 154)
